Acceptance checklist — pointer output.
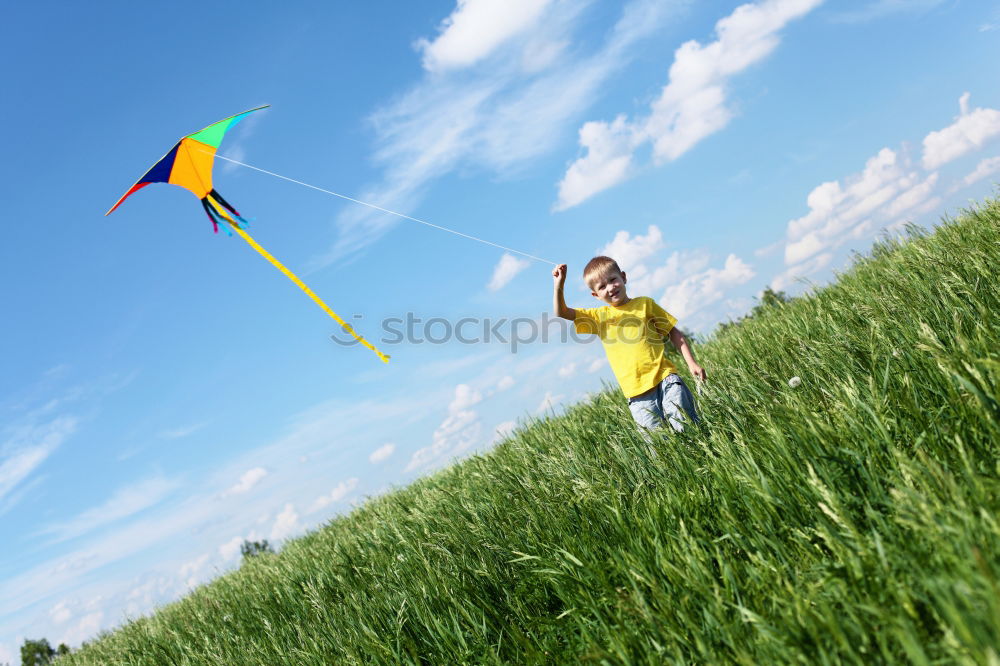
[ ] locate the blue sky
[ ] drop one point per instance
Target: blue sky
(166, 393)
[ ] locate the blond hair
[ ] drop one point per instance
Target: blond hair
(599, 267)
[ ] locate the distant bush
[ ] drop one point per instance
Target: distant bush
(254, 548)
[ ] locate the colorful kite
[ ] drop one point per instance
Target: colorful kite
(189, 164)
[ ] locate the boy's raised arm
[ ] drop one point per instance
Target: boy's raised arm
(558, 302)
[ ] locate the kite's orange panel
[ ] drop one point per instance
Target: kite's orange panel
(193, 167)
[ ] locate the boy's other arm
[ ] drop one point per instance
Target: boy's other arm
(558, 301)
(678, 340)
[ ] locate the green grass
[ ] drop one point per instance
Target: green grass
(852, 519)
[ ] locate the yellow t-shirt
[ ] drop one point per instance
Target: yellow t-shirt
(633, 340)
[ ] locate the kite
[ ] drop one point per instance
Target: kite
(189, 164)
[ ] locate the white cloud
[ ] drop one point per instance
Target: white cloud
(456, 433)
(548, 402)
(285, 524)
(88, 625)
(805, 247)
(984, 169)
(248, 480)
(476, 28)
(141, 595)
(500, 120)
(193, 572)
(340, 491)
(970, 131)
(539, 54)
(17, 466)
(505, 270)
(127, 501)
(690, 107)
(788, 277)
(505, 383)
(679, 265)
(503, 430)
(183, 431)
(607, 162)
(697, 291)
(465, 396)
(768, 249)
(912, 197)
(381, 453)
(459, 430)
(60, 613)
(886, 188)
(445, 367)
(193, 566)
(736, 307)
(881, 8)
(629, 250)
(28, 446)
(597, 364)
(567, 370)
(229, 550)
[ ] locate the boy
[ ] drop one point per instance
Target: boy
(632, 330)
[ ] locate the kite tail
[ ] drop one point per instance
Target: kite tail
(228, 206)
(220, 215)
(221, 212)
(309, 292)
(222, 207)
(212, 215)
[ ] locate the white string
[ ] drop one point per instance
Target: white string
(386, 210)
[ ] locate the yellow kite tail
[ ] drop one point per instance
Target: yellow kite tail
(309, 292)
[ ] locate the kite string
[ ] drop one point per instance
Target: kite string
(386, 210)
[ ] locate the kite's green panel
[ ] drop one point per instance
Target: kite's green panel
(212, 135)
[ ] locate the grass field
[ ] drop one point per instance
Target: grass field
(851, 519)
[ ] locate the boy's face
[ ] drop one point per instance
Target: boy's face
(610, 288)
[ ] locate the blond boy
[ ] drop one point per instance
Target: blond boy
(632, 330)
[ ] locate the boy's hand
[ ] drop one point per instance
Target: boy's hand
(558, 300)
(698, 371)
(559, 276)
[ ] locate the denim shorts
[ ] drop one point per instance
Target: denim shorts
(670, 401)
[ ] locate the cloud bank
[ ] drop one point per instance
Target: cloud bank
(690, 107)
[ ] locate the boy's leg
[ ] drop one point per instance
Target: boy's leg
(678, 402)
(645, 409)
